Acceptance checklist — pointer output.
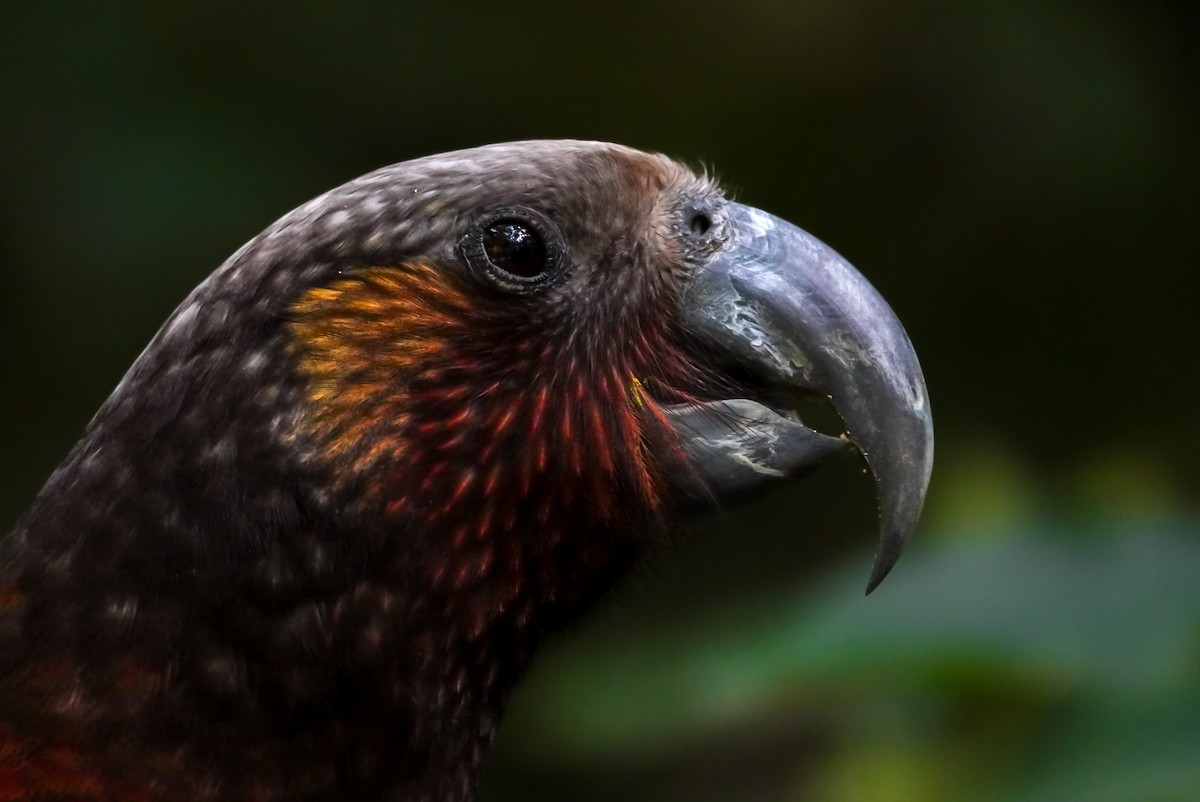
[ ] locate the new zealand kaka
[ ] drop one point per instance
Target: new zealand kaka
(316, 534)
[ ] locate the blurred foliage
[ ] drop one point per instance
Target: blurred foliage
(1019, 179)
(1025, 666)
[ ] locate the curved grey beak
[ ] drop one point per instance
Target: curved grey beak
(796, 316)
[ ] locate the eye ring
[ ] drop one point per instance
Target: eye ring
(506, 246)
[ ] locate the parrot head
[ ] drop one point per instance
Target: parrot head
(312, 540)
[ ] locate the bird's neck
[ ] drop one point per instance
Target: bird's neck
(219, 589)
(148, 647)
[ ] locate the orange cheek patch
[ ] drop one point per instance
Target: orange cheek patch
(452, 407)
(355, 343)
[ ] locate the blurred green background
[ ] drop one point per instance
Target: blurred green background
(1018, 178)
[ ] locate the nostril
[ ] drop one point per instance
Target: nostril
(700, 223)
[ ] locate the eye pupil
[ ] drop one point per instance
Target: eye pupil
(515, 248)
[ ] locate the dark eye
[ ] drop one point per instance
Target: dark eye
(515, 248)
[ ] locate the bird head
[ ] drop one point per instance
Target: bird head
(426, 418)
(546, 344)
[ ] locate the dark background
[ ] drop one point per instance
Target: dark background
(1019, 179)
